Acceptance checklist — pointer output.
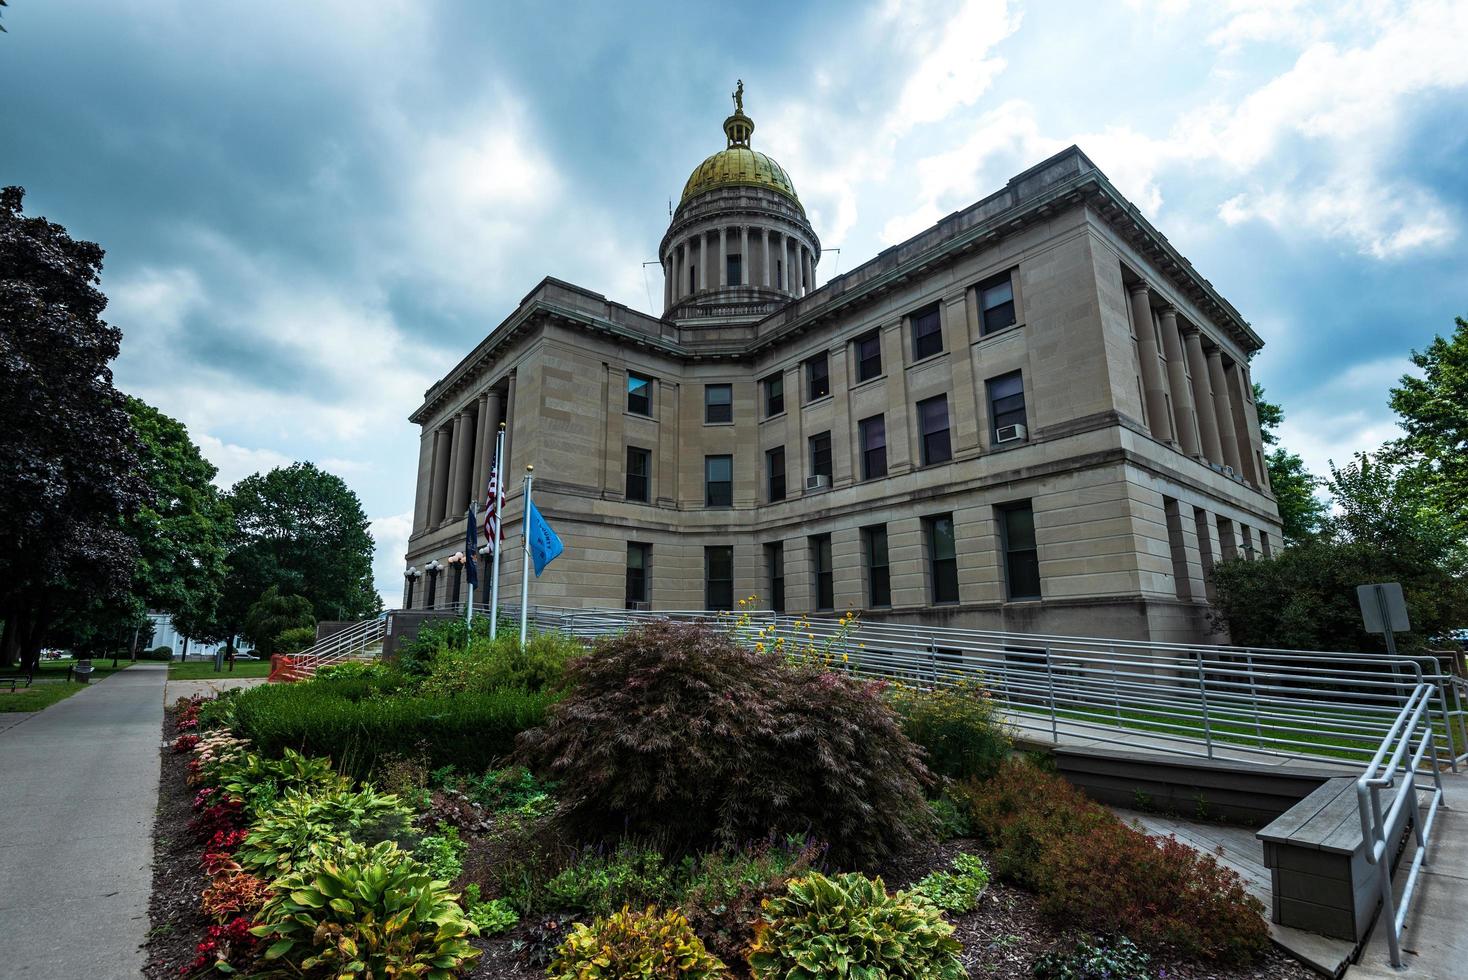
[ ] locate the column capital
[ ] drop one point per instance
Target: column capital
(1188, 330)
(1167, 309)
(1139, 286)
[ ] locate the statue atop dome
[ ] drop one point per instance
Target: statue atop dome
(739, 97)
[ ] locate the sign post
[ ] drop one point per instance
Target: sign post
(1384, 611)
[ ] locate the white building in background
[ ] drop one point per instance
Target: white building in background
(165, 635)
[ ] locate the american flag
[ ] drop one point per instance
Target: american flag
(493, 533)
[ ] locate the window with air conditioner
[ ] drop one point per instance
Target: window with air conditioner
(1007, 408)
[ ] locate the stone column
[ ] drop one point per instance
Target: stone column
(1239, 397)
(425, 481)
(723, 257)
(808, 266)
(1223, 411)
(456, 468)
(511, 416)
(745, 265)
(1153, 387)
(765, 240)
(668, 272)
(1203, 395)
(439, 486)
(466, 451)
(496, 416)
(1177, 381)
(481, 450)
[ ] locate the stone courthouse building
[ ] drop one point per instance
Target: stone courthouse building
(1035, 415)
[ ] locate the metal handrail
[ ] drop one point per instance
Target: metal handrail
(1409, 725)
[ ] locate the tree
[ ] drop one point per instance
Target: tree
(302, 531)
(67, 468)
(1300, 511)
(1434, 412)
(273, 615)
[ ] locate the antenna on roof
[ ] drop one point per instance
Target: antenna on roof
(670, 207)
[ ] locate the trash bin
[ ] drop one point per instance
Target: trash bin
(82, 671)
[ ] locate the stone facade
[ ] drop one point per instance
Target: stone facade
(1042, 359)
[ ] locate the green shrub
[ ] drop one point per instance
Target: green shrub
(674, 732)
(442, 854)
(492, 917)
(952, 819)
(848, 926)
(635, 946)
(285, 835)
(357, 722)
(257, 781)
(161, 654)
(511, 790)
(1094, 872)
(489, 665)
(373, 670)
(957, 891)
(600, 884)
(1117, 959)
(958, 729)
(295, 639)
(366, 911)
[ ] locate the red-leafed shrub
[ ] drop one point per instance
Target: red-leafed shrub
(1094, 872)
(231, 944)
(217, 863)
(225, 841)
(676, 733)
(185, 743)
(234, 893)
(216, 819)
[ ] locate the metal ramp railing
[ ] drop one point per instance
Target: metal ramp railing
(357, 642)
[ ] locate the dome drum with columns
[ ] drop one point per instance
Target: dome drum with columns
(739, 245)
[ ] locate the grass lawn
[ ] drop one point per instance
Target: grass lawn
(51, 685)
(204, 670)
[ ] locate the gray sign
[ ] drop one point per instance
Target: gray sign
(1383, 608)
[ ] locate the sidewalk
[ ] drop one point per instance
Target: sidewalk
(78, 791)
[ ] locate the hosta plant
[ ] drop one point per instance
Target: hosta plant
(631, 945)
(1101, 959)
(848, 926)
(491, 917)
(257, 782)
(369, 912)
(288, 831)
(956, 891)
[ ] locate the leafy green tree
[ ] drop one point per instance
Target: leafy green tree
(1300, 510)
(1434, 412)
(68, 483)
(273, 615)
(302, 531)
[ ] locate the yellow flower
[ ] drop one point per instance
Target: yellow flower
(845, 659)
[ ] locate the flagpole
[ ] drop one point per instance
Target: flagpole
(499, 516)
(525, 570)
(469, 610)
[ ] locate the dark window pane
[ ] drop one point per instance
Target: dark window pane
(820, 455)
(927, 332)
(873, 432)
(718, 473)
(775, 564)
(639, 468)
(942, 559)
(1007, 400)
(718, 403)
(868, 357)
(817, 378)
(718, 577)
(820, 559)
(879, 578)
(775, 473)
(637, 572)
(1021, 558)
(933, 426)
(774, 394)
(734, 270)
(639, 394)
(996, 303)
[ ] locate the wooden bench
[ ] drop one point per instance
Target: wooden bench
(15, 680)
(1320, 877)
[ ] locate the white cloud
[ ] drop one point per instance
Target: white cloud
(391, 536)
(236, 462)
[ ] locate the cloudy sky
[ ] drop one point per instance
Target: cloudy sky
(311, 210)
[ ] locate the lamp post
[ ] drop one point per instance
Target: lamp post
(457, 560)
(412, 575)
(432, 568)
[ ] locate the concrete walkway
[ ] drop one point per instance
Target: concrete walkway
(78, 793)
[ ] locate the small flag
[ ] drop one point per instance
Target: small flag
(493, 533)
(471, 550)
(545, 546)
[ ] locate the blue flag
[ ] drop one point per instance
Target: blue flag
(545, 547)
(471, 551)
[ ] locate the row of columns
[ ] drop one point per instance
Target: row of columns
(1190, 404)
(795, 273)
(461, 454)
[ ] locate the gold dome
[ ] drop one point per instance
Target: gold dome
(737, 165)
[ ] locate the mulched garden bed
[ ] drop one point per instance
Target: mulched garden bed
(1001, 939)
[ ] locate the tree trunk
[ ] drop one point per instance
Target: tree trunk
(8, 642)
(184, 658)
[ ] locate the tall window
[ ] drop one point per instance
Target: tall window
(996, 303)
(1021, 557)
(693, 277)
(873, 433)
(817, 377)
(879, 576)
(775, 473)
(718, 577)
(1006, 401)
(868, 356)
(942, 559)
(820, 561)
(639, 471)
(774, 387)
(639, 394)
(775, 568)
(779, 273)
(639, 558)
(718, 481)
(734, 266)
(933, 426)
(820, 455)
(718, 403)
(927, 332)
